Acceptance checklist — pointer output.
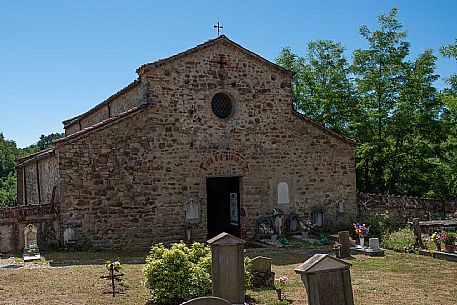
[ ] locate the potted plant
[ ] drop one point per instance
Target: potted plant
(449, 242)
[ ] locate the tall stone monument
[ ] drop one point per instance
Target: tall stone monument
(228, 267)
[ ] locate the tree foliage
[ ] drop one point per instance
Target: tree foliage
(404, 127)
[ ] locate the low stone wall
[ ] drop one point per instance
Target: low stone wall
(14, 219)
(403, 208)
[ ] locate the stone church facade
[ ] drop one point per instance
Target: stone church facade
(202, 142)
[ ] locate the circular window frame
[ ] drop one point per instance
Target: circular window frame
(228, 98)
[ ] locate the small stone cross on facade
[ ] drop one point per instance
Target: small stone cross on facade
(218, 27)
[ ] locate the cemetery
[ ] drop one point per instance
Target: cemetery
(230, 271)
(224, 176)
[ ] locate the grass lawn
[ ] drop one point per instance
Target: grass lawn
(74, 278)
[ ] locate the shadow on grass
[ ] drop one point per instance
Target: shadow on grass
(285, 256)
(60, 259)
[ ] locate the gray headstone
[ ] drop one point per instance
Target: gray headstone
(345, 250)
(228, 267)
(327, 280)
(261, 264)
(373, 243)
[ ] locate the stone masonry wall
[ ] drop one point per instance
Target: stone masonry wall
(125, 186)
(13, 220)
(403, 208)
(41, 180)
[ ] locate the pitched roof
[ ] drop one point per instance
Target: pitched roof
(35, 156)
(100, 125)
(124, 90)
(324, 129)
(160, 62)
(211, 42)
(321, 263)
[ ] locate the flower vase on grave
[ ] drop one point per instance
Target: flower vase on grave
(305, 234)
(362, 242)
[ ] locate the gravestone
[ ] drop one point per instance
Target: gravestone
(68, 235)
(31, 251)
(293, 221)
(228, 267)
(261, 272)
(192, 211)
(327, 280)
(345, 250)
(30, 235)
(207, 301)
(373, 243)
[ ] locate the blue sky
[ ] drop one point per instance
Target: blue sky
(60, 58)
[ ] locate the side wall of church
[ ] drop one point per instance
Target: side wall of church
(121, 103)
(40, 179)
(127, 185)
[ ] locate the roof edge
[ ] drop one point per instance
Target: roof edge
(124, 90)
(221, 38)
(325, 129)
(100, 125)
(35, 156)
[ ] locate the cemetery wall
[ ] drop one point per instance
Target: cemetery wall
(125, 184)
(14, 219)
(403, 208)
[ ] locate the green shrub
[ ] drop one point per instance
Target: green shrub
(181, 273)
(399, 240)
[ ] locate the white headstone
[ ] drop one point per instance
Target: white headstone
(373, 243)
(30, 235)
(68, 235)
(193, 211)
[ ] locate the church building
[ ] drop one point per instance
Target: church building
(202, 142)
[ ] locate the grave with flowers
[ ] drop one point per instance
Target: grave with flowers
(373, 248)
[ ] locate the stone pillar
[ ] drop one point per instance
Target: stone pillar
(228, 267)
(345, 250)
(327, 280)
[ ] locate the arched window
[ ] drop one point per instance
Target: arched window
(283, 193)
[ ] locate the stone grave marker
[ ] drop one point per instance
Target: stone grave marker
(261, 272)
(207, 301)
(31, 251)
(373, 248)
(30, 235)
(345, 250)
(228, 267)
(327, 280)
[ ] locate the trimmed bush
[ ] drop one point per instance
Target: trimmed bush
(181, 273)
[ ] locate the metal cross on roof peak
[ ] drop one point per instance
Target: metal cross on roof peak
(218, 27)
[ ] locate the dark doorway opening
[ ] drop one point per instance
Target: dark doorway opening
(223, 205)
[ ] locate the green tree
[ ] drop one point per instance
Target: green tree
(379, 76)
(46, 140)
(321, 86)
